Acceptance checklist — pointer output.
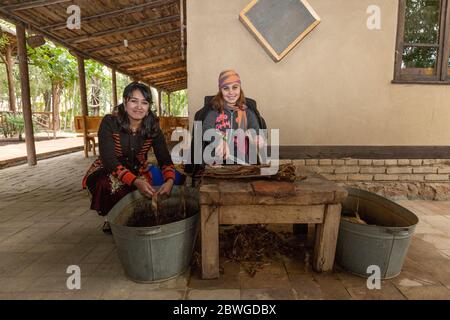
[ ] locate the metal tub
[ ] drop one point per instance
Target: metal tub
(384, 242)
(152, 254)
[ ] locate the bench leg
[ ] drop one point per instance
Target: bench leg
(210, 242)
(326, 238)
(86, 147)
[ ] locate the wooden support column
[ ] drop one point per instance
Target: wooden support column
(210, 241)
(25, 88)
(84, 104)
(114, 88)
(168, 102)
(10, 75)
(159, 103)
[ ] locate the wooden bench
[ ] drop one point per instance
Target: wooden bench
(88, 126)
(169, 124)
(313, 200)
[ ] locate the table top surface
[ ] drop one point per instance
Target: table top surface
(312, 190)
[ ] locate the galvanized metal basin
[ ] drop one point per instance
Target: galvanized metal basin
(384, 242)
(159, 253)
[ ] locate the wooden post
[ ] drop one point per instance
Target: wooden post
(210, 241)
(159, 103)
(114, 88)
(10, 75)
(168, 102)
(84, 104)
(26, 101)
(326, 238)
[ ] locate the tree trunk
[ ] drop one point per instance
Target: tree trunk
(10, 75)
(56, 100)
(95, 95)
(47, 101)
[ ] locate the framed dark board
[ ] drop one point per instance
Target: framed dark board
(279, 25)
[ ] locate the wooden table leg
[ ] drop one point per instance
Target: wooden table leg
(210, 241)
(326, 238)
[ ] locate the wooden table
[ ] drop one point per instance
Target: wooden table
(313, 200)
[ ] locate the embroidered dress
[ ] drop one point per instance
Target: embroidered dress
(122, 160)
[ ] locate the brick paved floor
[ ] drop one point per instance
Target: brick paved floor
(46, 225)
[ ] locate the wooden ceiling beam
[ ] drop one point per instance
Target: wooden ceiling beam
(163, 73)
(130, 42)
(15, 19)
(32, 4)
(150, 71)
(166, 67)
(149, 47)
(148, 62)
(114, 13)
(176, 88)
(166, 80)
(171, 83)
(181, 83)
(111, 32)
(155, 65)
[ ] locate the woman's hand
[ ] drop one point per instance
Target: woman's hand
(222, 150)
(166, 188)
(144, 188)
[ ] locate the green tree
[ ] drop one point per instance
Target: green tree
(178, 103)
(421, 26)
(60, 67)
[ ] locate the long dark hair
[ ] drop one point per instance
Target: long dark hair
(150, 124)
(218, 102)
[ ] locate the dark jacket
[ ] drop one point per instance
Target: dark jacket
(124, 155)
(201, 114)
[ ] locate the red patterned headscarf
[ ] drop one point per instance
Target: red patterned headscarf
(227, 77)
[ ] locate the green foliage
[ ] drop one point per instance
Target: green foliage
(55, 62)
(178, 103)
(421, 26)
(4, 41)
(14, 125)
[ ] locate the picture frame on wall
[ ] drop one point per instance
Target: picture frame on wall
(279, 25)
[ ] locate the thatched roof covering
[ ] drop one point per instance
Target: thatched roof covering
(154, 53)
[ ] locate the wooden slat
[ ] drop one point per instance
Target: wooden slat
(161, 82)
(148, 62)
(149, 71)
(446, 50)
(176, 83)
(130, 42)
(115, 31)
(143, 42)
(326, 239)
(169, 82)
(114, 87)
(210, 242)
(164, 73)
(256, 214)
(176, 89)
(150, 47)
(400, 34)
(32, 4)
(113, 14)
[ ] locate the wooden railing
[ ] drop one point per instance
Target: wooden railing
(43, 120)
